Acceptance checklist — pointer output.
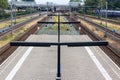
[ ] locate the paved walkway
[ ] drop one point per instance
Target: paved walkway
(78, 63)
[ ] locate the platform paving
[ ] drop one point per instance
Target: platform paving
(77, 63)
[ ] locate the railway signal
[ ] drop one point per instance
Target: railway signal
(59, 44)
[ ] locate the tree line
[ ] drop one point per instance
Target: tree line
(112, 4)
(3, 4)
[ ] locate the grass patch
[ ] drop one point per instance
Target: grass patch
(8, 23)
(62, 26)
(109, 25)
(10, 37)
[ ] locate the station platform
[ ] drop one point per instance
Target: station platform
(77, 63)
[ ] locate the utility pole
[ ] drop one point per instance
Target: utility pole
(106, 18)
(11, 6)
(70, 10)
(47, 7)
(15, 13)
(101, 12)
(31, 7)
(84, 9)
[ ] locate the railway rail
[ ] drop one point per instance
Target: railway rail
(115, 35)
(17, 27)
(17, 17)
(97, 18)
(109, 50)
(7, 50)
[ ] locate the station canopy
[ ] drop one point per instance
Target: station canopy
(20, 3)
(75, 3)
(28, 0)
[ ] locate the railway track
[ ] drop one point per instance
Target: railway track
(110, 33)
(17, 27)
(17, 17)
(108, 20)
(7, 50)
(109, 50)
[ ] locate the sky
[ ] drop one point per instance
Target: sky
(59, 2)
(64, 2)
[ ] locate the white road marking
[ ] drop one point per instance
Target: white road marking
(19, 64)
(111, 61)
(9, 61)
(98, 64)
(107, 62)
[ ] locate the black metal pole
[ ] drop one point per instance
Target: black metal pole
(58, 56)
(58, 28)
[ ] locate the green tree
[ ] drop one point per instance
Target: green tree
(117, 4)
(91, 5)
(112, 4)
(3, 3)
(75, 0)
(91, 2)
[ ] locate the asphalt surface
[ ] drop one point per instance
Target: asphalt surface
(77, 63)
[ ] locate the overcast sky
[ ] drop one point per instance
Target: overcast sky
(63, 2)
(54, 1)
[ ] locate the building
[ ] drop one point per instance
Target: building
(28, 0)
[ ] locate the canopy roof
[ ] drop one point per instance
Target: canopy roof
(75, 0)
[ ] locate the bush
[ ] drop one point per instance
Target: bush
(3, 15)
